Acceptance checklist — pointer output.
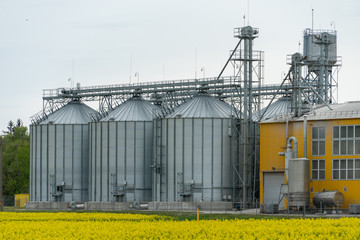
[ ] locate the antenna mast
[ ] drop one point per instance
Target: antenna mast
(312, 19)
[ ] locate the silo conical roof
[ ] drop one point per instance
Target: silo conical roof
(74, 112)
(134, 109)
(280, 107)
(203, 105)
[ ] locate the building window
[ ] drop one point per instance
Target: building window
(318, 141)
(318, 169)
(346, 169)
(346, 140)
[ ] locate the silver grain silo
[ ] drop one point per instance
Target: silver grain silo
(195, 162)
(59, 157)
(121, 153)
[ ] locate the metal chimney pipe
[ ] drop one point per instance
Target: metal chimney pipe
(305, 136)
(287, 129)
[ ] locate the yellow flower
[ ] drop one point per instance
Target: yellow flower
(72, 225)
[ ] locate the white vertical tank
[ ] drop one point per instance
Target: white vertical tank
(121, 153)
(59, 157)
(298, 182)
(197, 152)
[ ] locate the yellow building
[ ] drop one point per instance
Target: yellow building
(21, 199)
(332, 147)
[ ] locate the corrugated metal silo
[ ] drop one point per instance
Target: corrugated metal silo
(59, 157)
(198, 148)
(121, 153)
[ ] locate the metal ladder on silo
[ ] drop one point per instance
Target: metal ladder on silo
(161, 158)
(157, 166)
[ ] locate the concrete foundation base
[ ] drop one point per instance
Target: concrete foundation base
(190, 206)
(47, 206)
(126, 206)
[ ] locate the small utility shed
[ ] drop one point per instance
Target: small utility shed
(332, 140)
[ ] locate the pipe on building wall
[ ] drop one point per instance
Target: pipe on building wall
(293, 139)
(287, 129)
(305, 136)
(289, 153)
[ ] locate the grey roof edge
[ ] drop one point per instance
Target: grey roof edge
(348, 110)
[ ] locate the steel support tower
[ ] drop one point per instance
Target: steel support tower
(248, 68)
(249, 103)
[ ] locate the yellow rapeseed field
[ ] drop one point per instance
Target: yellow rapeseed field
(25, 225)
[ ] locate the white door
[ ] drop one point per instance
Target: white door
(272, 186)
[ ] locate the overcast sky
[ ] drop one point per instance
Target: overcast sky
(41, 39)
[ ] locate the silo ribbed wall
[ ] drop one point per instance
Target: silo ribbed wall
(124, 150)
(59, 153)
(199, 153)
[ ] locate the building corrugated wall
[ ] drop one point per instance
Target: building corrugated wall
(121, 153)
(59, 157)
(196, 152)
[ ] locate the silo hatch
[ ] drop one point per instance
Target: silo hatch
(185, 190)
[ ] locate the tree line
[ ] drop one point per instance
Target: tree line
(16, 158)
